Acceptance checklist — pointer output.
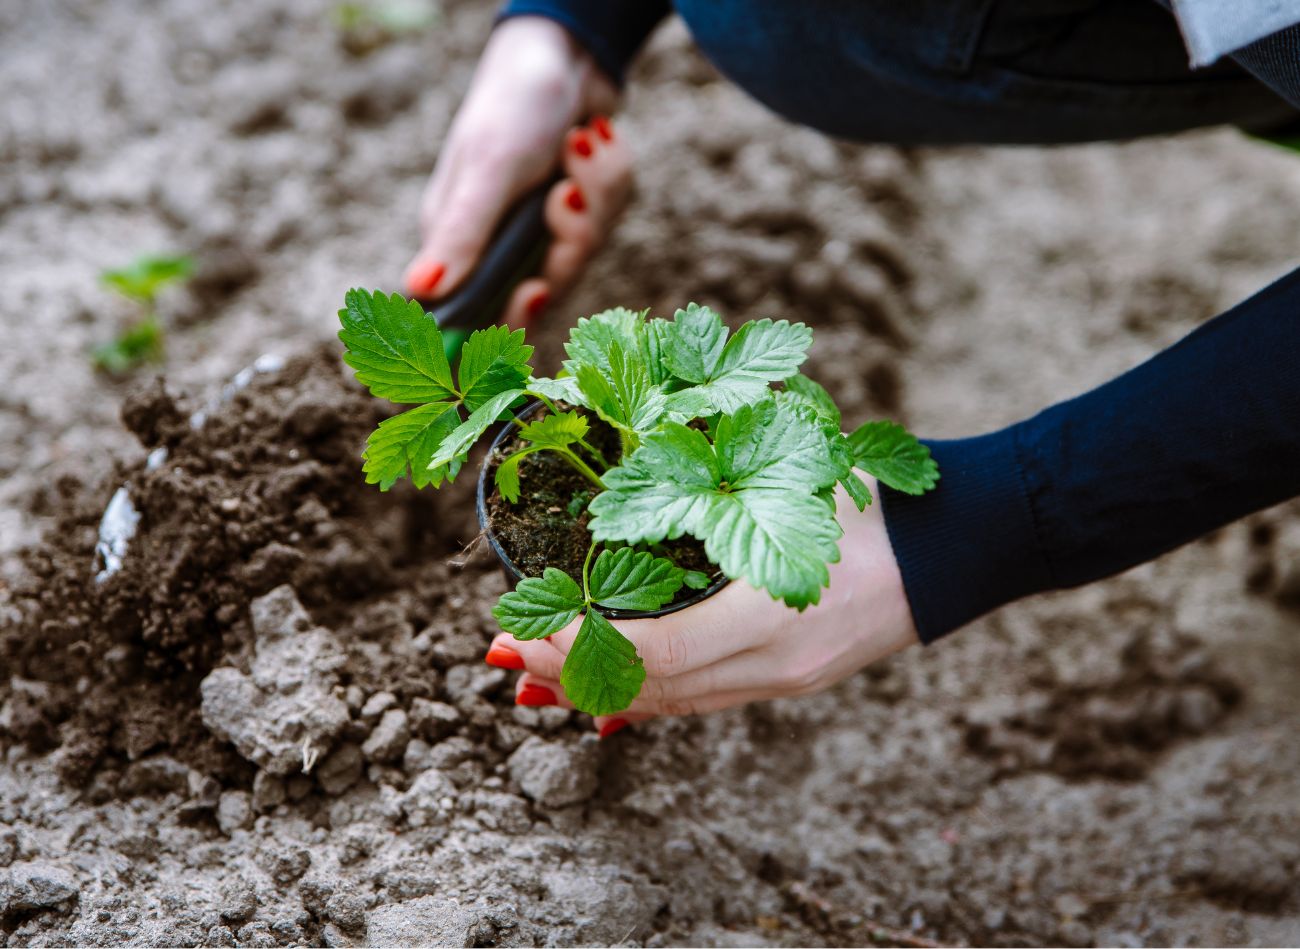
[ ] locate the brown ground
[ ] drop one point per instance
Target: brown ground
(1115, 765)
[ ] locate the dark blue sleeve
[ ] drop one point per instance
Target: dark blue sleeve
(611, 30)
(1203, 433)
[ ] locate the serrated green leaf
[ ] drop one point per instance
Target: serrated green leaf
(624, 397)
(653, 335)
(761, 352)
(890, 453)
(856, 489)
(815, 396)
(686, 404)
(658, 493)
(590, 341)
(507, 475)
(695, 343)
(626, 579)
(775, 539)
(146, 275)
(395, 348)
(774, 444)
(491, 361)
(564, 389)
(540, 606)
(407, 443)
(458, 442)
(602, 673)
(555, 431)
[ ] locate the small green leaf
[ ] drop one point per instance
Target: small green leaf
(555, 431)
(660, 492)
(540, 606)
(624, 397)
(590, 341)
(602, 673)
(815, 396)
(139, 343)
(696, 580)
(146, 275)
(626, 579)
(458, 443)
(774, 444)
(653, 336)
(507, 476)
(695, 343)
(761, 352)
(407, 442)
(565, 389)
(890, 453)
(856, 489)
(492, 360)
(395, 348)
(775, 539)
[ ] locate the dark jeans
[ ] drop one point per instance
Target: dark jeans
(955, 71)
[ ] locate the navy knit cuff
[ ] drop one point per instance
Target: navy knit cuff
(970, 545)
(611, 30)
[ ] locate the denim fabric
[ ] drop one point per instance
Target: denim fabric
(964, 71)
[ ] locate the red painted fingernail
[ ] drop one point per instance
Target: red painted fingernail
(575, 200)
(537, 304)
(603, 128)
(503, 657)
(535, 695)
(582, 144)
(613, 725)
(425, 277)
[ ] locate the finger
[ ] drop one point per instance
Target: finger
(533, 690)
(601, 165)
(527, 303)
(537, 656)
(722, 626)
(607, 725)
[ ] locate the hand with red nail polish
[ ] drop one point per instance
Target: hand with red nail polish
(741, 646)
(518, 122)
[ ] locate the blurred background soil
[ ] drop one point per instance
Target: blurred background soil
(1117, 765)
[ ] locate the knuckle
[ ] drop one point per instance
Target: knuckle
(678, 707)
(670, 654)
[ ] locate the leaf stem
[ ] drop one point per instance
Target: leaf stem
(586, 566)
(628, 442)
(595, 453)
(582, 467)
(544, 400)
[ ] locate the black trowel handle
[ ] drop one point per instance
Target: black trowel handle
(514, 253)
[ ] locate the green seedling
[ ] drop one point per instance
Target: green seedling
(364, 27)
(140, 281)
(720, 438)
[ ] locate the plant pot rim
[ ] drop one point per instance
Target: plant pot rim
(514, 574)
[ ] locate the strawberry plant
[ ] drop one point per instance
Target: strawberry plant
(718, 437)
(140, 281)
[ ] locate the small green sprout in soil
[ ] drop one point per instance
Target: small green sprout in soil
(719, 437)
(140, 281)
(366, 25)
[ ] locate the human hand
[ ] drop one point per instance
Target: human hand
(742, 646)
(532, 85)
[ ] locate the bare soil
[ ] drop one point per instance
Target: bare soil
(273, 726)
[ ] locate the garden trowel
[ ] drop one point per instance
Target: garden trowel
(514, 253)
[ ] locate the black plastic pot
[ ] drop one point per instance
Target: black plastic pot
(513, 574)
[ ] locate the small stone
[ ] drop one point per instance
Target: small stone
(417, 756)
(426, 921)
(433, 721)
(268, 792)
(377, 705)
(347, 910)
(425, 804)
(468, 682)
(447, 754)
(36, 885)
(388, 740)
(279, 614)
(285, 864)
(234, 812)
(340, 769)
(238, 901)
(556, 774)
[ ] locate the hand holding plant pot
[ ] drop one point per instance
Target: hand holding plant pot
(667, 430)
